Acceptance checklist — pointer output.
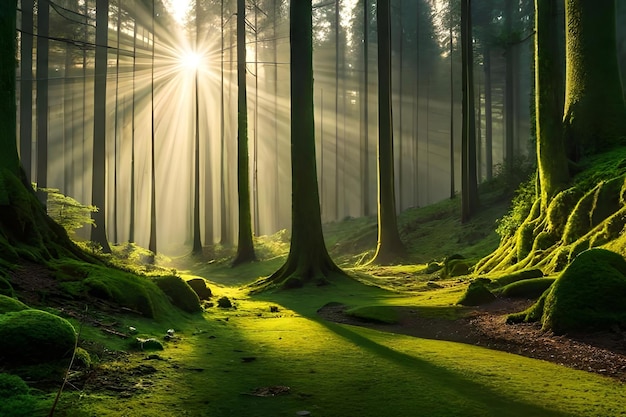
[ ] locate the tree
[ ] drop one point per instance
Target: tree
(595, 117)
(389, 247)
(43, 26)
(26, 87)
(98, 198)
(308, 259)
(245, 247)
(469, 186)
(551, 156)
(25, 229)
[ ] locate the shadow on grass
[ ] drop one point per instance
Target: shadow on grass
(454, 393)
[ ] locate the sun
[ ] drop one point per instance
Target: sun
(190, 60)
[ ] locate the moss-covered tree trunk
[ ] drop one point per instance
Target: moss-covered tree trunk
(8, 149)
(595, 118)
(551, 157)
(245, 247)
(308, 258)
(389, 247)
(26, 232)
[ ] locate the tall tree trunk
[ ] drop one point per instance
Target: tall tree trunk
(452, 185)
(595, 118)
(400, 112)
(551, 155)
(509, 95)
(197, 240)
(255, 171)
(98, 190)
(9, 159)
(152, 242)
(488, 114)
(26, 88)
(116, 136)
(365, 172)
(308, 258)
(224, 229)
(276, 135)
(43, 24)
(337, 70)
(245, 247)
(131, 223)
(389, 247)
(469, 186)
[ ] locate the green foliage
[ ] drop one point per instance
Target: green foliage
(477, 293)
(520, 208)
(379, 314)
(10, 304)
(529, 288)
(32, 336)
(66, 211)
(589, 294)
(16, 399)
(5, 287)
(532, 314)
(180, 293)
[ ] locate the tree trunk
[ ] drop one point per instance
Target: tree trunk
(551, 155)
(452, 185)
(8, 156)
(152, 242)
(595, 118)
(98, 193)
(389, 247)
(308, 258)
(365, 175)
(488, 114)
(224, 229)
(131, 223)
(26, 88)
(197, 240)
(245, 247)
(469, 186)
(508, 87)
(43, 15)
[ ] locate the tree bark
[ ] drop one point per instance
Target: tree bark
(595, 118)
(26, 88)
(308, 258)
(389, 247)
(245, 247)
(551, 155)
(98, 195)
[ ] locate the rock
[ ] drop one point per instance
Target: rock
(180, 293)
(200, 287)
(148, 344)
(224, 302)
(35, 336)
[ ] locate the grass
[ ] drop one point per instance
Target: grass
(220, 357)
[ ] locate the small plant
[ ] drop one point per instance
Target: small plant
(520, 208)
(66, 211)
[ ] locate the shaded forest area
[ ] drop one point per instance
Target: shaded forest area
(417, 173)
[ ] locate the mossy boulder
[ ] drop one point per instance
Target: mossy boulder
(456, 265)
(518, 276)
(589, 294)
(477, 293)
(35, 336)
(16, 399)
(200, 287)
(224, 302)
(180, 293)
(11, 304)
(528, 288)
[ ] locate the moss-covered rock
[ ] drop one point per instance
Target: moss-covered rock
(149, 343)
(224, 302)
(6, 288)
(456, 265)
(200, 287)
(12, 385)
(11, 304)
(33, 336)
(180, 293)
(589, 294)
(528, 288)
(518, 276)
(82, 358)
(477, 293)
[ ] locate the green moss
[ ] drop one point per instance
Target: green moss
(200, 287)
(529, 288)
(378, 314)
(148, 343)
(6, 288)
(10, 304)
(589, 294)
(82, 358)
(559, 210)
(16, 399)
(579, 221)
(517, 276)
(476, 294)
(532, 314)
(31, 336)
(180, 293)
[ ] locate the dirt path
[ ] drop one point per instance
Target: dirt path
(603, 353)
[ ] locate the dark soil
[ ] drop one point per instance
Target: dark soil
(602, 352)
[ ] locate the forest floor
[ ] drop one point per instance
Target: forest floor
(602, 352)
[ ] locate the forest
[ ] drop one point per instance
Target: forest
(312, 208)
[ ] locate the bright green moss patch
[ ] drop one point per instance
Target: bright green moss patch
(16, 400)
(379, 314)
(180, 293)
(10, 304)
(589, 294)
(517, 276)
(529, 288)
(31, 336)
(477, 293)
